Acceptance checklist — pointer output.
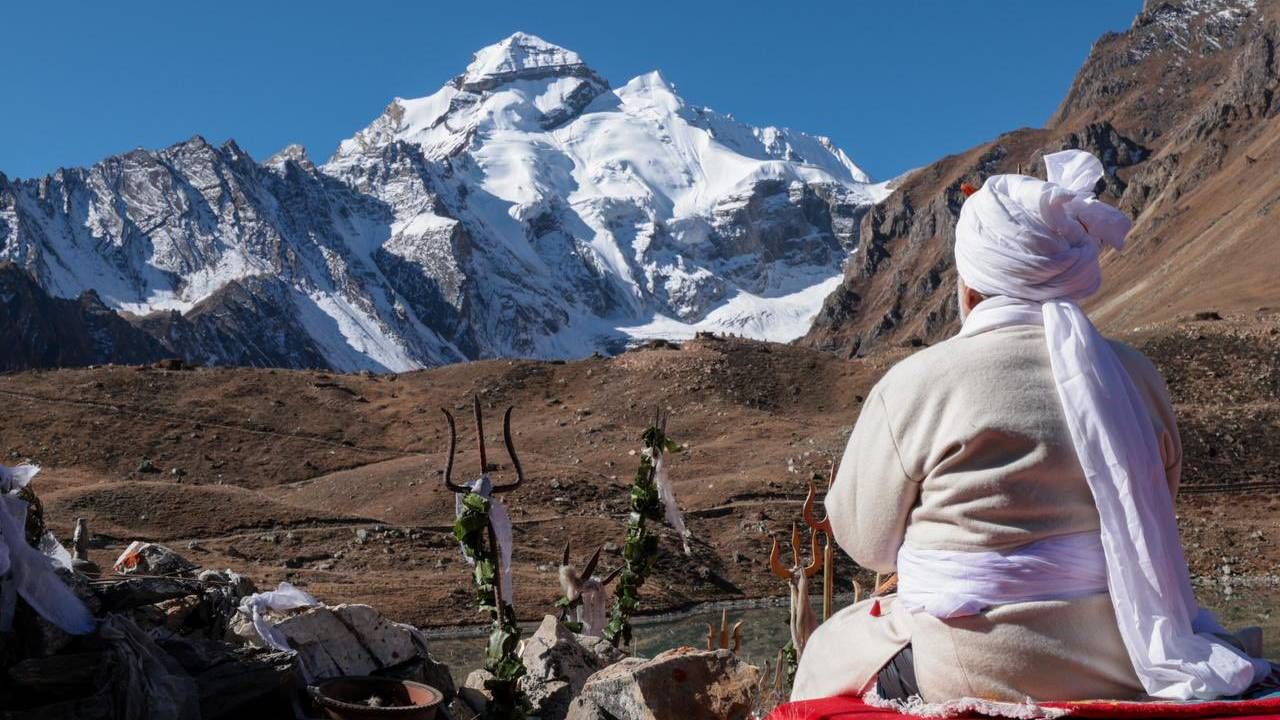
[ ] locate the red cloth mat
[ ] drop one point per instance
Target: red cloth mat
(852, 708)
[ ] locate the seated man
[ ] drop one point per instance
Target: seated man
(1019, 477)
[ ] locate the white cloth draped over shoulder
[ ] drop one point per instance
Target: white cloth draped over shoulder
(1032, 248)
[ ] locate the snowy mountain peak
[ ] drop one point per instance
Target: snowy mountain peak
(520, 56)
(293, 153)
(525, 208)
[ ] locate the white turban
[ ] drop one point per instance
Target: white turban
(1025, 238)
(1032, 248)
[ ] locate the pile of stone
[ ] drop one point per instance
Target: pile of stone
(580, 677)
(161, 638)
(175, 641)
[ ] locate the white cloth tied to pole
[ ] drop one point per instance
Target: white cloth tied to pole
(670, 508)
(593, 612)
(30, 572)
(500, 520)
(949, 583)
(1032, 247)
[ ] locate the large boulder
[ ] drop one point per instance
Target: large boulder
(680, 684)
(349, 640)
(558, 662)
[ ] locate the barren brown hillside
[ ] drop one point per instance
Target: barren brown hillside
(332, 481)
(1184, 110)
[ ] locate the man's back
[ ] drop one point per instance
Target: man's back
(964, 446)
(977, 424)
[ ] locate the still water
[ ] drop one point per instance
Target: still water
(765, 631)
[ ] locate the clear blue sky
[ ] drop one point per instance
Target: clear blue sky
(897, 84)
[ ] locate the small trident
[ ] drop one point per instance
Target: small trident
(586, 593)
(725, 634)
(484, 469)
(797, 577)
(828, 553)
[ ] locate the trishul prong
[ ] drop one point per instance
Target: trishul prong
(511, 452)
(612, 576)
(775, 562)
(484, 458)
(816, 565)
(448, 465)
(591, 565)
(823, 525)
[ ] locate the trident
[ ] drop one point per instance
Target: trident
(828, 553)
(797, 577)
(484, 468)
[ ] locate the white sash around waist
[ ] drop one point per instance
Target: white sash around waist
(949, 583)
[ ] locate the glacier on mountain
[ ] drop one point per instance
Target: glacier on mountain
(524, 209)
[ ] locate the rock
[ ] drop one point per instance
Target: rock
(473, 691)
(389, 643)
(558, 662)
(358, 640)
(550, 700)
(680, 684)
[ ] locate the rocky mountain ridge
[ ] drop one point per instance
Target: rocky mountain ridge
(525, 209)
(1182, 108)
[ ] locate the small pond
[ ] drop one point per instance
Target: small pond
(765, 627)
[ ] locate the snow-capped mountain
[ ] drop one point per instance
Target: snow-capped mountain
(524, 209)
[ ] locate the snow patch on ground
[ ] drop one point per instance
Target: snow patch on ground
(778, 319)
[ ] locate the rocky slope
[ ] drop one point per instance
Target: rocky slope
(524, 209)
(41, 331)
(1183, 108)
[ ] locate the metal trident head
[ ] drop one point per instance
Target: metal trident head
(484, 460)
(782, 571)
(589, 569)
(720, 640)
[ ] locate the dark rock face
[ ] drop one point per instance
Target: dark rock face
(1172, 107)
(252, 322)
(38, 331)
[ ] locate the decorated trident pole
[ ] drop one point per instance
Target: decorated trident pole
(483, 528)
(651, 500)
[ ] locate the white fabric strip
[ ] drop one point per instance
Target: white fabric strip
(28, 572)
(1032, 247)
(947, 583)
(667, 494)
